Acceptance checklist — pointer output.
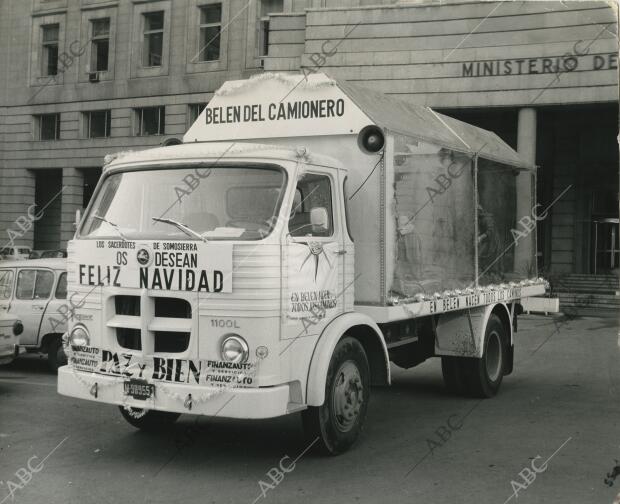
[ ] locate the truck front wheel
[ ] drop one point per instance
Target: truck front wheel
(338, 422)
(148, 420)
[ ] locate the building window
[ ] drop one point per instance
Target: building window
(50, 49)
(210, 32)
(263, 37)
(100, 45)
(151, 121)
(47, 127)
(153, 47)
(266, 7)
(98, 123)
(195, 109)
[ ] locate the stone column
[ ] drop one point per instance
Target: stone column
(72, 198)
(525, 253)
(17, 210)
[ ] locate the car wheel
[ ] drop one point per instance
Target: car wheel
(56, 356)
(337, 424)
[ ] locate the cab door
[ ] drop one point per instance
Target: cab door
(32, 294)
(314, 255)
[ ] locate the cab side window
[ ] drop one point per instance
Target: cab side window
(312, 212)
(347, 210)
(6, 284)
(61, 288)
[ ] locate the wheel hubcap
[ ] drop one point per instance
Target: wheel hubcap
(347, 396)
(493, 356)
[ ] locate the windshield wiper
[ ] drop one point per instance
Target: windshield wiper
(115, 226)
(188, 231)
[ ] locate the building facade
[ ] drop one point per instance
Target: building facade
(84, 78)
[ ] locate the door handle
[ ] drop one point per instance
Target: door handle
(341, 252)
(38, 308)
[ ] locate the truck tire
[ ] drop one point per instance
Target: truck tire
(56, 355)
(484, 376)
(480, 377)
(149, 420)
(338, 422)
(453, 372)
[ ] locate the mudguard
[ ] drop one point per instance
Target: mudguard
(461, 334)
(333, 332)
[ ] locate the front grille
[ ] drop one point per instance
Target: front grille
(171, 342)
(127, 305)
(129, 338)
(151, 323)
(172, 308)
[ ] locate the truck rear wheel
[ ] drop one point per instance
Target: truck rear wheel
(338, 422)
(486, 374)
(453, 372)
(480, 377)
(149, 420)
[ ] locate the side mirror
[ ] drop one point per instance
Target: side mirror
(319, 219)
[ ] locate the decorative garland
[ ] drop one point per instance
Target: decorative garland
(418, 298)
(286, 79)
(188, 400)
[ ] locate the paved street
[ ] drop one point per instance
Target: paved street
(419, 445)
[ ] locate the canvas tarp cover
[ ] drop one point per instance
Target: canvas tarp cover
(425, 124)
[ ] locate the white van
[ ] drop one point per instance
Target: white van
(35, 291)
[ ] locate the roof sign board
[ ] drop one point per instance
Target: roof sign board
(297, 105)
(276, 106)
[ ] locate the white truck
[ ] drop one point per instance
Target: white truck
(306, 233)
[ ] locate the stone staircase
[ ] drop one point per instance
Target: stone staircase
(582, 294)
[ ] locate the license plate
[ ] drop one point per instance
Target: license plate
(139, 389)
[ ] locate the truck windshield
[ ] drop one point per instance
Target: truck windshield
(217, 203)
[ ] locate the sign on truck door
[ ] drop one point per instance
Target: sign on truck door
(314, 258)
(32, 293)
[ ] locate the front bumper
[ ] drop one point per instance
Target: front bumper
(262, 402)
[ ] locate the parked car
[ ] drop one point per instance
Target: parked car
(16, 253)
(47, 254)
(35, 292)
(10, 329)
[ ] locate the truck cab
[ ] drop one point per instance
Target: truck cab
(35, 292)
(260, 264)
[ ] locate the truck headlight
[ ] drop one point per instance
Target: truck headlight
(79, 336)
(234, 349)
